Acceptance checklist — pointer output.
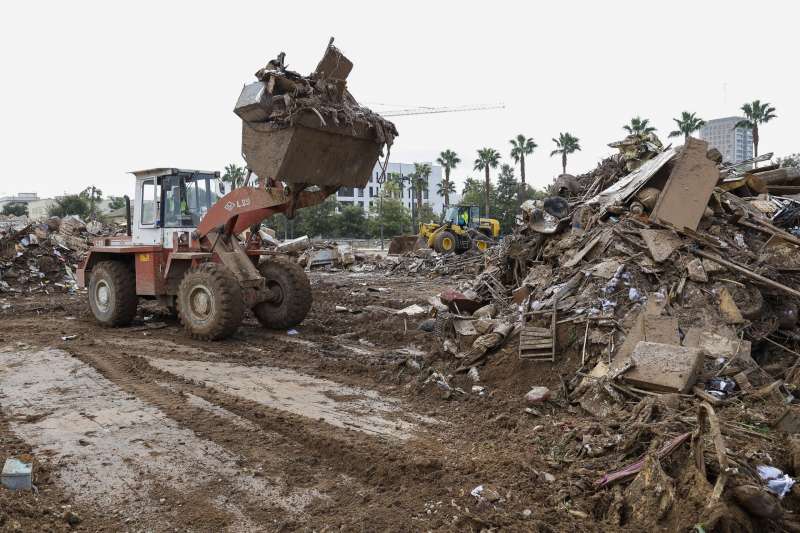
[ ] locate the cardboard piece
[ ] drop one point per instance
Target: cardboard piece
(664, 367)
(684, 197)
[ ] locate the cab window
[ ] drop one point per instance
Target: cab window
(149, 202)
(187, 198)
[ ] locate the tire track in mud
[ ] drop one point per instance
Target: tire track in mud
(348, 467)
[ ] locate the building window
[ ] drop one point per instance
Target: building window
(425, 193)
(346, 192)
(361, 194)
(371, 193)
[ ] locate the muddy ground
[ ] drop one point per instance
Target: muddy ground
(329, 429)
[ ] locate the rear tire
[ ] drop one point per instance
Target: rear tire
(480, 243)
(210, 304)
(287, 279)
(444, 242)
(112, 294)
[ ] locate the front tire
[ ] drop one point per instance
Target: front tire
(210, 303)
(286, 279)
(444, 242)
(112, 294)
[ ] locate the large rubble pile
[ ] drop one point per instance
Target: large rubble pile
(668, 301)
(42, 257)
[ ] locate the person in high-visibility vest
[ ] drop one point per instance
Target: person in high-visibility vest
(464, 218)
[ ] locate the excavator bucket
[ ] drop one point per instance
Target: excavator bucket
(403, 244)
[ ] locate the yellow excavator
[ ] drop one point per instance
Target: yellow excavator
(461, 229)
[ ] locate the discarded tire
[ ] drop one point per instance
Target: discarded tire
(112, 294)
(210, 303)
(289, 283)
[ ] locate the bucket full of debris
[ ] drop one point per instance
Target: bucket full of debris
(309, 129)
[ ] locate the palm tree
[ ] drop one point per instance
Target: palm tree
(756, 113)
(449, 160)
(446, 188)
(400, 181)
(234, 174)
(93, 194)
(687, 124)
(639, 126)
(522, 146)
(393, 186)
(488, 158)
(565, 145)
(419, 181)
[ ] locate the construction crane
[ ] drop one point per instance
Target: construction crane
(432, 110)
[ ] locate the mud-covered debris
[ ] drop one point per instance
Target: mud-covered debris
(537, 395)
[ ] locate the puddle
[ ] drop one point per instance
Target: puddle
(110, 448)
(339, 405)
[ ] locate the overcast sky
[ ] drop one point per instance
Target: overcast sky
(91, 90)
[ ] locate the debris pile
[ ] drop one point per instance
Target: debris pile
(43, 257)
(676, 282)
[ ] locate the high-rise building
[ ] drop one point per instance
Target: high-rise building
(735, 144)
(368, 196)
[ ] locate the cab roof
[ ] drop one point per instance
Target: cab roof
(169, 171)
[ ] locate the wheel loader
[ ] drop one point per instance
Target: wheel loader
(461, 229)
(185, 246)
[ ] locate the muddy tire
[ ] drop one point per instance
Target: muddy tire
(444, 242)
(210, 304)
(112, 293)
(286, 278)
(480, 243)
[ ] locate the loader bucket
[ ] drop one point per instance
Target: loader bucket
(311, 152)
(403, 244)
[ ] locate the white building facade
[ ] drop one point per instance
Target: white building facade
(368, 196)
(735, 144)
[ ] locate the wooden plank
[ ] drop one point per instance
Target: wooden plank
(750, 274)
(536, 345)
(580, 254)
(685, 196)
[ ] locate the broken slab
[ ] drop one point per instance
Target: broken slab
(648, 326)
(684, 198)
(696, 272)
(333, 64)
(715, 345)
(661, 243)
(294, 245)
(664, 367)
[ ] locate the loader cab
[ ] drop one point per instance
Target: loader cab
(466, 216)
(171, 200)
